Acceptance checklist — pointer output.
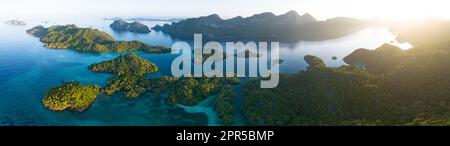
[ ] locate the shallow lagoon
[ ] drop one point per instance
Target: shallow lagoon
(27, 70)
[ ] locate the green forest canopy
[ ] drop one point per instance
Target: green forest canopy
(88, 40)
(72, 96)
(385, 86)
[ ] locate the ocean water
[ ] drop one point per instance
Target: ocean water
(27, 70)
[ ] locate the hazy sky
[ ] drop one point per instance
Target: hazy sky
(320, 9)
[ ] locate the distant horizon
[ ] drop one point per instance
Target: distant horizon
(320, 9)
(4, 18)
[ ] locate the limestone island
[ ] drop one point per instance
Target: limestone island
(129, 78)
(192, 90)
(395, 87)
(128, 64)
(71, 96)
(129, 71)
(88, 40)
(122, 25)
(288, 27)
(376, 61)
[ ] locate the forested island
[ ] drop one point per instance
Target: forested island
(71, 96)
(122, 25)
(129, 71)
(382, 86)
(128, 64)
(385, 86)
(128, 74)
(88, 40)
(128, 78)
(265, 27)
(192, 90)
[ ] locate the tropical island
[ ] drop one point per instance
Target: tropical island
(122, 25)
(88, 40)
(265, 27)
(191, 90)
(384, 86)
(128, 64)
(128, 71)
(15, 22)
(131, 86)
(379, 60)
(129, 78)
(71, 96)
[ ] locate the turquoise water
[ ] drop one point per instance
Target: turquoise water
(27, 70)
